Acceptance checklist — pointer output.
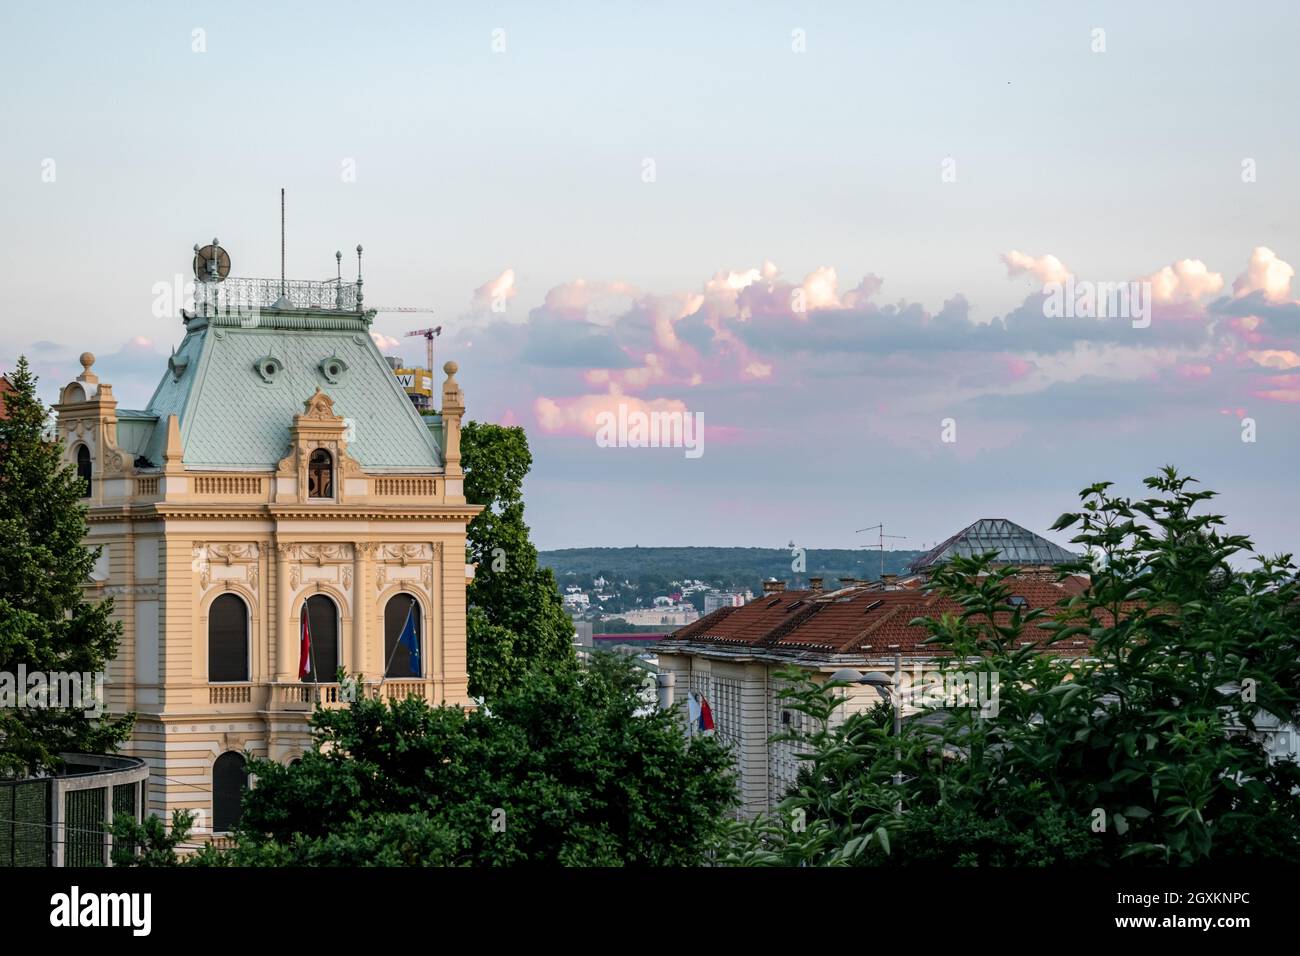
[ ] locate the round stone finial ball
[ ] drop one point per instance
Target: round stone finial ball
(451, 368)
(87, 359)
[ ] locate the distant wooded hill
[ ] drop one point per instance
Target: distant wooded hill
(653, 569)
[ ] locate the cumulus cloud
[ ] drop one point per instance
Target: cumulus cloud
(386, 343)
(1045, 269)
(1265, 273)
(739, 333)
(1185, 280)
(579, 415)
(496, 293)
(577, 298)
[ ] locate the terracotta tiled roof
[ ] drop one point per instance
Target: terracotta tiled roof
(854, 620)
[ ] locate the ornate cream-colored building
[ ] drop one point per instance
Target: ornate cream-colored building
(278, 472)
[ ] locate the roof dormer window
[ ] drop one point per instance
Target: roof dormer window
(320, 474)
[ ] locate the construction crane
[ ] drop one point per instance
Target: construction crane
(882, 536)
(429, 335)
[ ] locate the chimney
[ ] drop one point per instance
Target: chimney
(815, 583)
(888, 580)
(773, 586)
(848, 582)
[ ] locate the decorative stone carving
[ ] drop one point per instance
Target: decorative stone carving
(286, 468)
(246, 554)
(321, 553)
(319, 407)
(404, 553)
(115, 462)
(234, 552)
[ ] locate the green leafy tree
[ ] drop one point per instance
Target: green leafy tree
(1143, 752)
(516, 619)
(46, 625)
(151, 843)
(570, 769)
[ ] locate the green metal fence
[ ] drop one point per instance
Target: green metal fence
(25, 823)
(83, 818)
(63, 819)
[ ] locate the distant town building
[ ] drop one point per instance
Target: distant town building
(576, 600)
(671, 616)
(731, 656)
(717, 599)
(416, 382)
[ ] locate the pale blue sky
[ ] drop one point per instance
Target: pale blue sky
(469, 162)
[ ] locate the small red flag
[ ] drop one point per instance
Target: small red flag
(304, 655)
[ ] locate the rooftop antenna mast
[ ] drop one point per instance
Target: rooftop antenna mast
(282, 240)
(881, 542)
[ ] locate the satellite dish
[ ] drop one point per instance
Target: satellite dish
(211, 263)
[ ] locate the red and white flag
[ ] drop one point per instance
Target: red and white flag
(304, 653)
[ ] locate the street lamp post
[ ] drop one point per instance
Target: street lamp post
(882, 683)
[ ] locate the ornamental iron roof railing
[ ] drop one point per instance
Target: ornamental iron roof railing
(245, 296)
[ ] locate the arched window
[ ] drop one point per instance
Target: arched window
(228, 639)
(229, 781)
(398, 661)
(320, 474)
(84, 469)
(323, 654)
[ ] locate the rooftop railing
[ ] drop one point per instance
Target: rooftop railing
(242, 296)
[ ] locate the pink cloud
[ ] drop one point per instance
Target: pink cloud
(1267, 273)
(1186, 279)
(496, 293)
(1045, 269)
(579, 415)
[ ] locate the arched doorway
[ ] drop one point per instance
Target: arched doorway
(228, 639)
(229, 781)
(323, 654)
(398, 661)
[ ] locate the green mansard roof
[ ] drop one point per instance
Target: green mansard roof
(235, 385)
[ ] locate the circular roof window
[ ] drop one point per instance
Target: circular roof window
(333, 368)
(268, 367)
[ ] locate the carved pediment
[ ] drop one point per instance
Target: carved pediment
(320, 407)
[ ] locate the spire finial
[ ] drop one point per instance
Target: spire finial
(359, 309)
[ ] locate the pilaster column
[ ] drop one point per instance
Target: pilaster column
(360, 606)
(285, 659)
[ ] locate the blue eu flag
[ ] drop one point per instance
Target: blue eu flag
(410, 639)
